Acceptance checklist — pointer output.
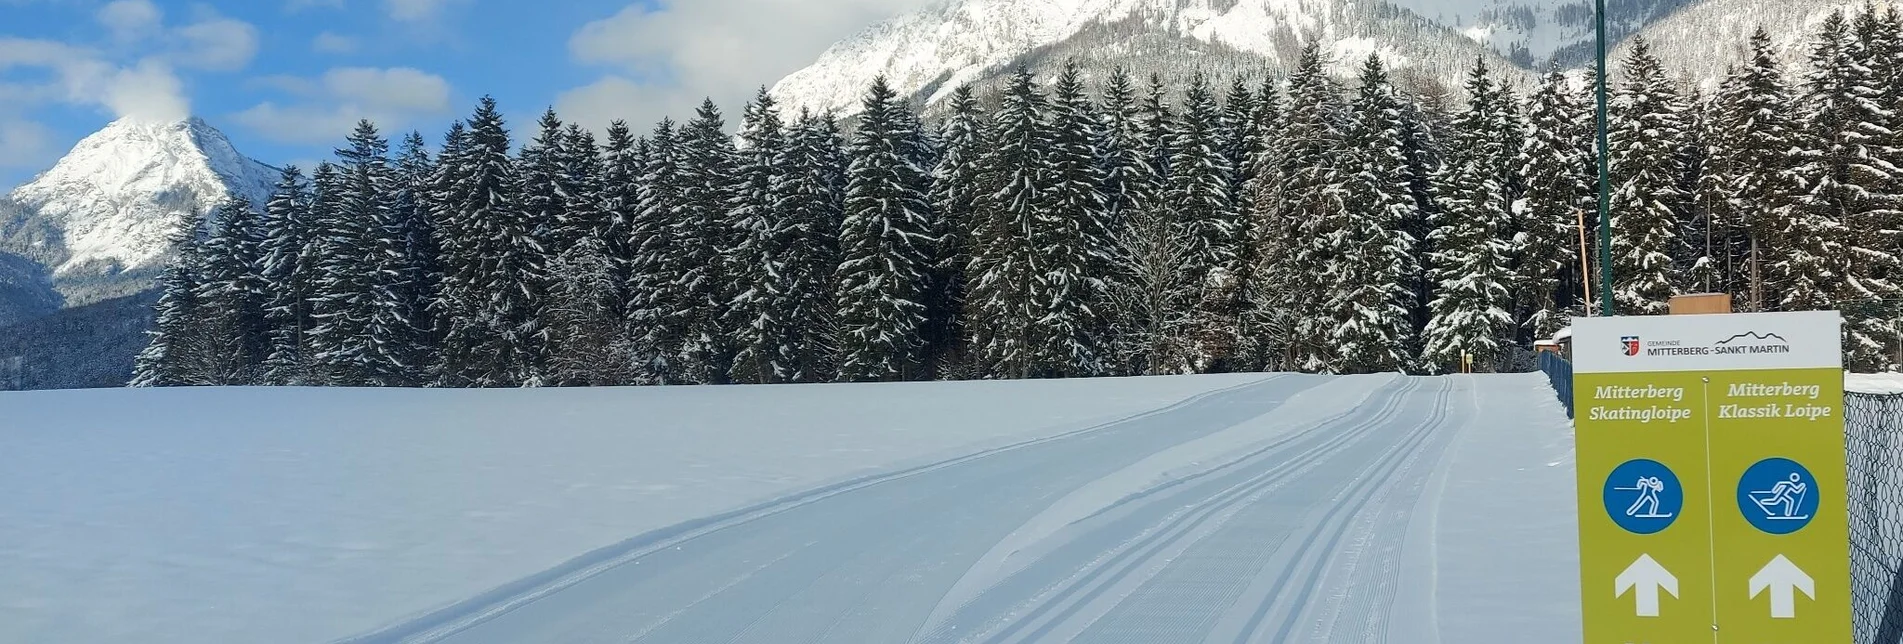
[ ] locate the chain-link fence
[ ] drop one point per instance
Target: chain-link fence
(1874, 424)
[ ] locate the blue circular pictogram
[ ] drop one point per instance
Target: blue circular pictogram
(1778, 496)
(1643, 496)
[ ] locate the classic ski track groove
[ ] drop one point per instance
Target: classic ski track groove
(1243, 576)
(1379, 476)
(1133, 553)
(435, 625)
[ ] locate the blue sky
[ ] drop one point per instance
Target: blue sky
(286, 78)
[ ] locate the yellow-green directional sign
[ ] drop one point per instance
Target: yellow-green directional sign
(1711, 479)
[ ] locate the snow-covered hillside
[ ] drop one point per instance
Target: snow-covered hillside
(931, 52)
(112, 201)
(1701, 41)
(1534, 32)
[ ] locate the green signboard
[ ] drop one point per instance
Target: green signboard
(1711, 479)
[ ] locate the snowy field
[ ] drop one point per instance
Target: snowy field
(1362, 509)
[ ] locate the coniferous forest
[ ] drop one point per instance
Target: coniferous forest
(1111, 226)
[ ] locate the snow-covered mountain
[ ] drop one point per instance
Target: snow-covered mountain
(1701, 41)
(1535, 32)
(108, 206)
(929, 53)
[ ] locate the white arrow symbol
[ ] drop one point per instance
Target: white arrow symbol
(1781, 577)
(1645, 578)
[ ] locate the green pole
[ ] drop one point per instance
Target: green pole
(1605, 171)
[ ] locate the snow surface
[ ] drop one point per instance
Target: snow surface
(1874, 383)
(121, 191)
(297, 515)
(1318, 509)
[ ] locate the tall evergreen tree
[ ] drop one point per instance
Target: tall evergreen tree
(1373, 254)
(1304, 203)
(765, 331)
(176, 355)
(288, 274)
(1004, 262)
(419, 272)
(1558, 193)
(701, 235)
(1648, 203)
(1851, 163)
(654, 284)
(808, 238)
(494, 276)
(886, 244)
(363, 337)
(233, 292)
(957, 196)
(1072, 236)
(1470, 318)
(1200, 192)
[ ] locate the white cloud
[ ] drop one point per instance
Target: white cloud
(130, 21)
(149, 90)
(79, 76)
(416, 10)
(669, 58)
(216, 44)
(331, 43)
(331, 105)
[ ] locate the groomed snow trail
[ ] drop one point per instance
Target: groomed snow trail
(1295, 509)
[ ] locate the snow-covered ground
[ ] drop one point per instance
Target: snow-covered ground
(1874, 383)
(1318, 509)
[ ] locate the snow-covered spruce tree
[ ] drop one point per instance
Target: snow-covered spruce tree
(363, 335)
(958, 190)
(1305, 207)
(495, 271)
(1426, 120)
(177, 353)
(701, 235)
(1072, 236)
(807, 243)
(1373, 254)
(587, 345)
(420, 271)
(1241, 133)
(541, 184)
(1470, 318)
(288, 278)
(886, 245)
(621, 172)
(1558, 194)
(655, 295)
(1253, 278)
(1716, 232)
(582, 190)
(1754, 168)
(1156, 125)
(1001, 307)
(765, 332)
(1852, 164)
(1120, 144)
(1647, 130)
(233, 291)
(1200, 194)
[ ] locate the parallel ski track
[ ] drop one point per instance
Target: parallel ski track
(442, 623)
(1080, 590)
(1326, 538)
